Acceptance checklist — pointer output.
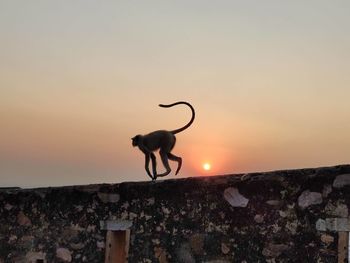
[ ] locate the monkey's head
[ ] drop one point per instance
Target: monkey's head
(135, 140)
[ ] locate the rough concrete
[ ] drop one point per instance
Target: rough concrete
(184, 220)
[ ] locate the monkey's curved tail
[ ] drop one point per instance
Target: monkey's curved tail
(192, 118)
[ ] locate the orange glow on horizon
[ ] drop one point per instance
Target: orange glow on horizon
(209, 159)
(206, 166)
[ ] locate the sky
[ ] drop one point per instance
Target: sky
(269, 80)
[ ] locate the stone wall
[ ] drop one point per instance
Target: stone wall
(260, 217)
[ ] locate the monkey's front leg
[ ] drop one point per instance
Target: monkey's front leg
(154, 166)
(147, 158)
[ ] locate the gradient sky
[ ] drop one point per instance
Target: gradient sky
(270, 82)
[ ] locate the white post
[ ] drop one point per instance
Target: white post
(342, 227)
(117, 240)
(349, 247)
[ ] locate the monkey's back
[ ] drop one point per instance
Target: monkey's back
(161, 139)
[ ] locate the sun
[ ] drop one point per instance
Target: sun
(206, 166)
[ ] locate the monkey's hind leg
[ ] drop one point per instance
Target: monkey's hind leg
(176, 159)
(164, 157)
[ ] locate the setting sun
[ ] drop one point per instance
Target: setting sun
(206, 166)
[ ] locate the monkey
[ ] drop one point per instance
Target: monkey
(164, 141)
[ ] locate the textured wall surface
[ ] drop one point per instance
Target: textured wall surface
(260, 217)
